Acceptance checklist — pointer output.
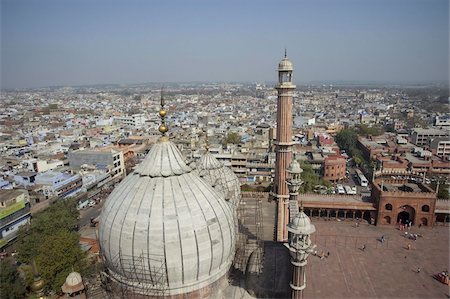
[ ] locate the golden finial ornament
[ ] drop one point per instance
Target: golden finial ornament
(162, 114)
(206, 141)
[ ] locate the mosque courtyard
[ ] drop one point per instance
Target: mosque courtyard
(383, 269)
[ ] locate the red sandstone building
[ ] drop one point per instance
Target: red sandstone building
(334, 168)
(400, 201)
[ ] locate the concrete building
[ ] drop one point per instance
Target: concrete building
(421, 137)
(38, 165)
(442, 121)
(283, 144)
(260, 172)
(110, 160)
(440, 147)
(14, 212)
(135, 121)
(58, 184)
(25, 178)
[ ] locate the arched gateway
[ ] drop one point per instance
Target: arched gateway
(406, 214)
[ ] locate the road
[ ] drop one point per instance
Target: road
(89, 212)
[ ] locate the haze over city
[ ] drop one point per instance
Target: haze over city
(47, 43)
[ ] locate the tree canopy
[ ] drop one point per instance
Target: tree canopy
(12, 285)
(346, 140)
(364, 130)
(310, 178)
(233, 138)
(443, 191)
(52, 241)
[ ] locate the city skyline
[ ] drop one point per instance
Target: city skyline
(49, 43)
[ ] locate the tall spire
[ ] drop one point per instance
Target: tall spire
(162, 114)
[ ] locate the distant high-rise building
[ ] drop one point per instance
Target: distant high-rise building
(283, 144)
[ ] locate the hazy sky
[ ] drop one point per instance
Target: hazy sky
(66, 42)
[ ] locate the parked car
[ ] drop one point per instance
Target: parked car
(82, 204)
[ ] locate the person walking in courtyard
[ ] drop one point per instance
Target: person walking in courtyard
(418, 270)
(382, 239)
(363, 247)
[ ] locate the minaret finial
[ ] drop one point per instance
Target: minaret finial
(162, 114)
(285, 53)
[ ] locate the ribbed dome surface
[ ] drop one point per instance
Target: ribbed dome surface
(73, 279)
(301, 224)
(165, 228)
(220, 177)
(164, 161)
(285, 65)
(294, 167)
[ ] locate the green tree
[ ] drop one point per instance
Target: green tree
(246, 188)
(233, 138)
(346, 140)
(309, 177)
(358, 160)
(62, 252)
(11, 283)
(61, 215)
(443, 191)
(365, 130)
(52, 241)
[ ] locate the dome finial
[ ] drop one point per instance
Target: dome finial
(162, 114)
(206, 141)
(285, 53)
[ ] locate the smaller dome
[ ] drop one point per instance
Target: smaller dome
(301, 224)
(220, 177)
(73, 279)
(73, 284)
(285, 65)
(294, 167)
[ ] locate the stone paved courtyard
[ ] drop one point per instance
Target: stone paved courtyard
(382, 270)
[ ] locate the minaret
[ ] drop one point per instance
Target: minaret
(299, 248)
(283, 144)
(294, 182)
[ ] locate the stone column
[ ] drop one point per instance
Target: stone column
(298, 283)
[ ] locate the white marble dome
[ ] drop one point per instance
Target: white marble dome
(301, 224)
(285, 65)
(165, 228)
(73, 279)
(220, 177)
